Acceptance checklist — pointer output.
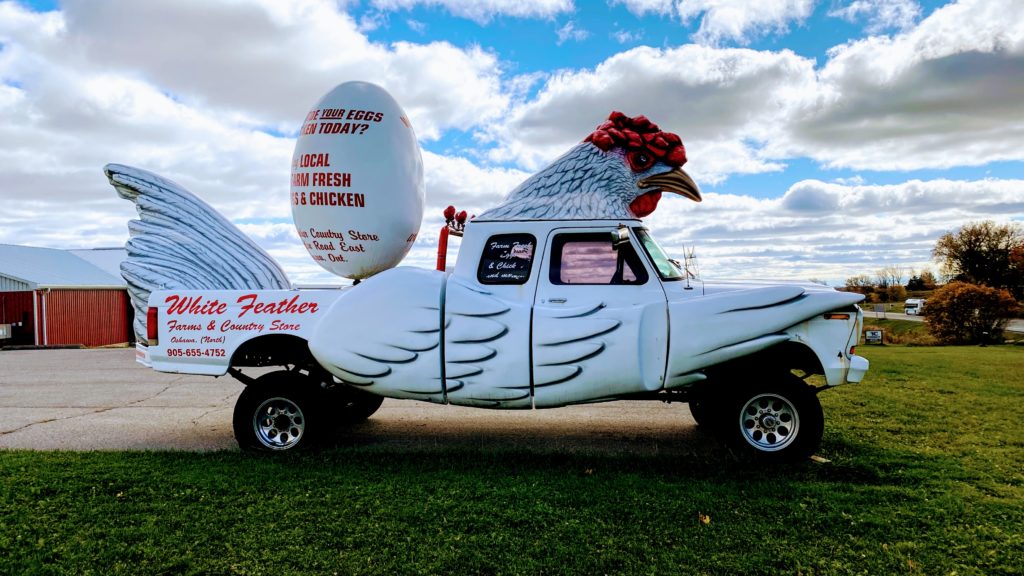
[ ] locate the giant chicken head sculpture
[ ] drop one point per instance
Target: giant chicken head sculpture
(619, 171)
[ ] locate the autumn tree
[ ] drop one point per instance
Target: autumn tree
(928, 280)
(962, 313)
(896, 293)
(861, 283)
(923, 281)
(984, 253)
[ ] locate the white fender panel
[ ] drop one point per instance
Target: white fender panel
(385, 334)
(727, 325)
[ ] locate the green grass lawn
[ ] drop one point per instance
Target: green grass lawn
(926, 477)
(901, 331)
(914, 333)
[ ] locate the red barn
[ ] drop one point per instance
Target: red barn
(52, 297)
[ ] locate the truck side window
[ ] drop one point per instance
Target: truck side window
(590, 259)
(507, 259)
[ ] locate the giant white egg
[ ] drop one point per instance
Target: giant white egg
(357, 189)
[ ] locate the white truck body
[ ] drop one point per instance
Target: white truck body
(421, 334)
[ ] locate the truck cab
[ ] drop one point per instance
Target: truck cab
(587, 309)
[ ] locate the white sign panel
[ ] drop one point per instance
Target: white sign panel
(357, 189)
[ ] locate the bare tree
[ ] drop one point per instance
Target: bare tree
(891, 275)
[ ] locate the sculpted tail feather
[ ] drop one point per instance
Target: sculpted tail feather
(180, 242)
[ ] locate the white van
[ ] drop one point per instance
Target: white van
(914, 306)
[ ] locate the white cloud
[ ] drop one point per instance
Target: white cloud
(945, 93)
(458, 181)
(644, 7)
(828, 230)
(721, 102)
(109, 82)
(160, 85)
(371, 21)
(276, 60)
(991, 198)
(570, 32)
(942, 94)
(483, 11)
(742, 21)
(416, 26)
(626, 36)
(739, 21)
(880, 14)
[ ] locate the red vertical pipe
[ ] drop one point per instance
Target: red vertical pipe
(442, 249)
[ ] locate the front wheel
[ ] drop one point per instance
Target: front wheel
(780, 421)
(278, 412)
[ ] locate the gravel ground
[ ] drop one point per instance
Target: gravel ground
(103, 400)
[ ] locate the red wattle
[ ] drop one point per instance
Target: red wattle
(645, 203)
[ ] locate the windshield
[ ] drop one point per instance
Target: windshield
(666, 269)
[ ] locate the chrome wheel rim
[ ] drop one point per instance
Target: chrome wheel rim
(769, 422)
(279, 423)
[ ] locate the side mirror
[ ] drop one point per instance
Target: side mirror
(620, 237)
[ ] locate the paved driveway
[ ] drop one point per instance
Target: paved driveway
(104, 400)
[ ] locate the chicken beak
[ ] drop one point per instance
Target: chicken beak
(675, 180)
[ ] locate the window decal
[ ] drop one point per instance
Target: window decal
(507, 259)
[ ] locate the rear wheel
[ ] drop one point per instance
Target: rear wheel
(347, 406)
(779, 421)
(279, 412)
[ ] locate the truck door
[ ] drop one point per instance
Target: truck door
(600, 319)
(487, 319)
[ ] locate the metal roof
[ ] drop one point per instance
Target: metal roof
(106, 259)
(52, 268)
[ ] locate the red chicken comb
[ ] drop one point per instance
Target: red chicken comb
(639, 133)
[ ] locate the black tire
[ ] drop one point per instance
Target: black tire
(346, 406)
(779, 421)
(708, 407)
(701, 411)
(279, 412)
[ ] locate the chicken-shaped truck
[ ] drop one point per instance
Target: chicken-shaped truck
(559, 296)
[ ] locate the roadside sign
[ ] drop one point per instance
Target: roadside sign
(873, 336)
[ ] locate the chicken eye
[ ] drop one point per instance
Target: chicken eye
(639, 160)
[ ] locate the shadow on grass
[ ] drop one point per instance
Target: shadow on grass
(694, 456)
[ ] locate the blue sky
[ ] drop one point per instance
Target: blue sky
(534, 46)
(831, 137)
